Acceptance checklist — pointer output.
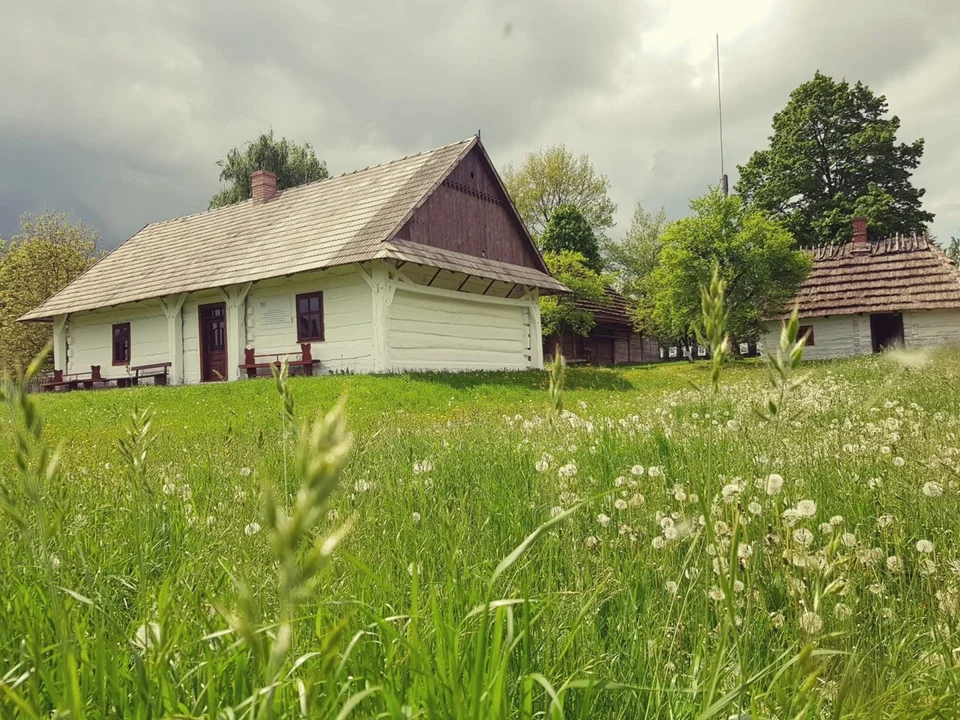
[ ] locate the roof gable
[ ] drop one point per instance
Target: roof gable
(890, 275)
(336, 221)
(470, 212)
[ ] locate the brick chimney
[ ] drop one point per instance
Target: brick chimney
(860, 233)
(263, 186)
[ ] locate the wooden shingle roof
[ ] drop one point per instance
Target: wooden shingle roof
(346, 219)
(616, 311)
(890, 275)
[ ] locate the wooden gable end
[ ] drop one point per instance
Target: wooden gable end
(470, 213)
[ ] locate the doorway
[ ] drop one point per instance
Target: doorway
(213, 342)
(886, 331)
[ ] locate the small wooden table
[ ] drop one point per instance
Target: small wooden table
(158, 371)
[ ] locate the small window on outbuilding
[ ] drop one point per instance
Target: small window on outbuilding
(310, 317)
(121, 344)
(807, 332)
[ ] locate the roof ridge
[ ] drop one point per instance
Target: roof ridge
(242, 203)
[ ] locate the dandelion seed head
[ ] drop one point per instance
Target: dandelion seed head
(773, 484)
(932, 489)
(803, 537)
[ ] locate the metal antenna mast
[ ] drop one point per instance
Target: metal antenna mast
(723, 176)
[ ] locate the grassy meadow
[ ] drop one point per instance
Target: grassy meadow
(656, 550)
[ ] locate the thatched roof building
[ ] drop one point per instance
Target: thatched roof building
(867, 295)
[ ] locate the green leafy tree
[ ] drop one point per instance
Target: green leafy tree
(49, 252)
(552, 177)
(757, 259)
(568, 229)
(834, 156)
(633, 258)
(292, 164)
(953, 251)
(560, 314)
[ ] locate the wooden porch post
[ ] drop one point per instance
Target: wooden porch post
(536, 335)
(60, 342)
(236, 300)
(382, 290)
(173, 309)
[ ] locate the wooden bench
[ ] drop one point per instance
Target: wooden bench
(158, 371)
(72, 381)
(252, 362)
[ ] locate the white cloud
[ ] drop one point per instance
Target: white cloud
(119, 111)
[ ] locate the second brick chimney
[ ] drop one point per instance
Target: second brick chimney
(860, 233)
(263, 186)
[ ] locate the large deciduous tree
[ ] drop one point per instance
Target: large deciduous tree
(560, 314)
(49, 252)
(834, 156)
(568, 229)
(293, 165)
(553, 176)
(757, 257)
(634, 257)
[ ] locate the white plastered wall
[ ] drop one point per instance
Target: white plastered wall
(931, 327)
(271, 325)
(459, 323)
(89, 338)
(377, 318)
(838, 336)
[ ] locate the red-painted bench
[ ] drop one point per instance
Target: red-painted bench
(72, 381)
(252, 362)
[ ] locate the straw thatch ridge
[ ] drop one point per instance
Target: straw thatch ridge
(894, 274)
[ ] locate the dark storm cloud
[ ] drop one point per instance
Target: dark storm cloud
(117, 112)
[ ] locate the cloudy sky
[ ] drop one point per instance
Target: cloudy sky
(117, 110)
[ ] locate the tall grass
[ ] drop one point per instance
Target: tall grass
(576, 544)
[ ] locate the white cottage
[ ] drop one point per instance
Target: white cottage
(421, 263)
(868, 295)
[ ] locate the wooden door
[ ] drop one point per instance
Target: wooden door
(886, 331)
(213, 342)
(604, 350)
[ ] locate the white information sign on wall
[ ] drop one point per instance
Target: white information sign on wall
(275, 312)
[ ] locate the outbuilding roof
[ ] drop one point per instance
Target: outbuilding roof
(615, 310)
(891, 275)
(346, 219)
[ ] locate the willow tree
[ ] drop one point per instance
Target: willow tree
(293, 165)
